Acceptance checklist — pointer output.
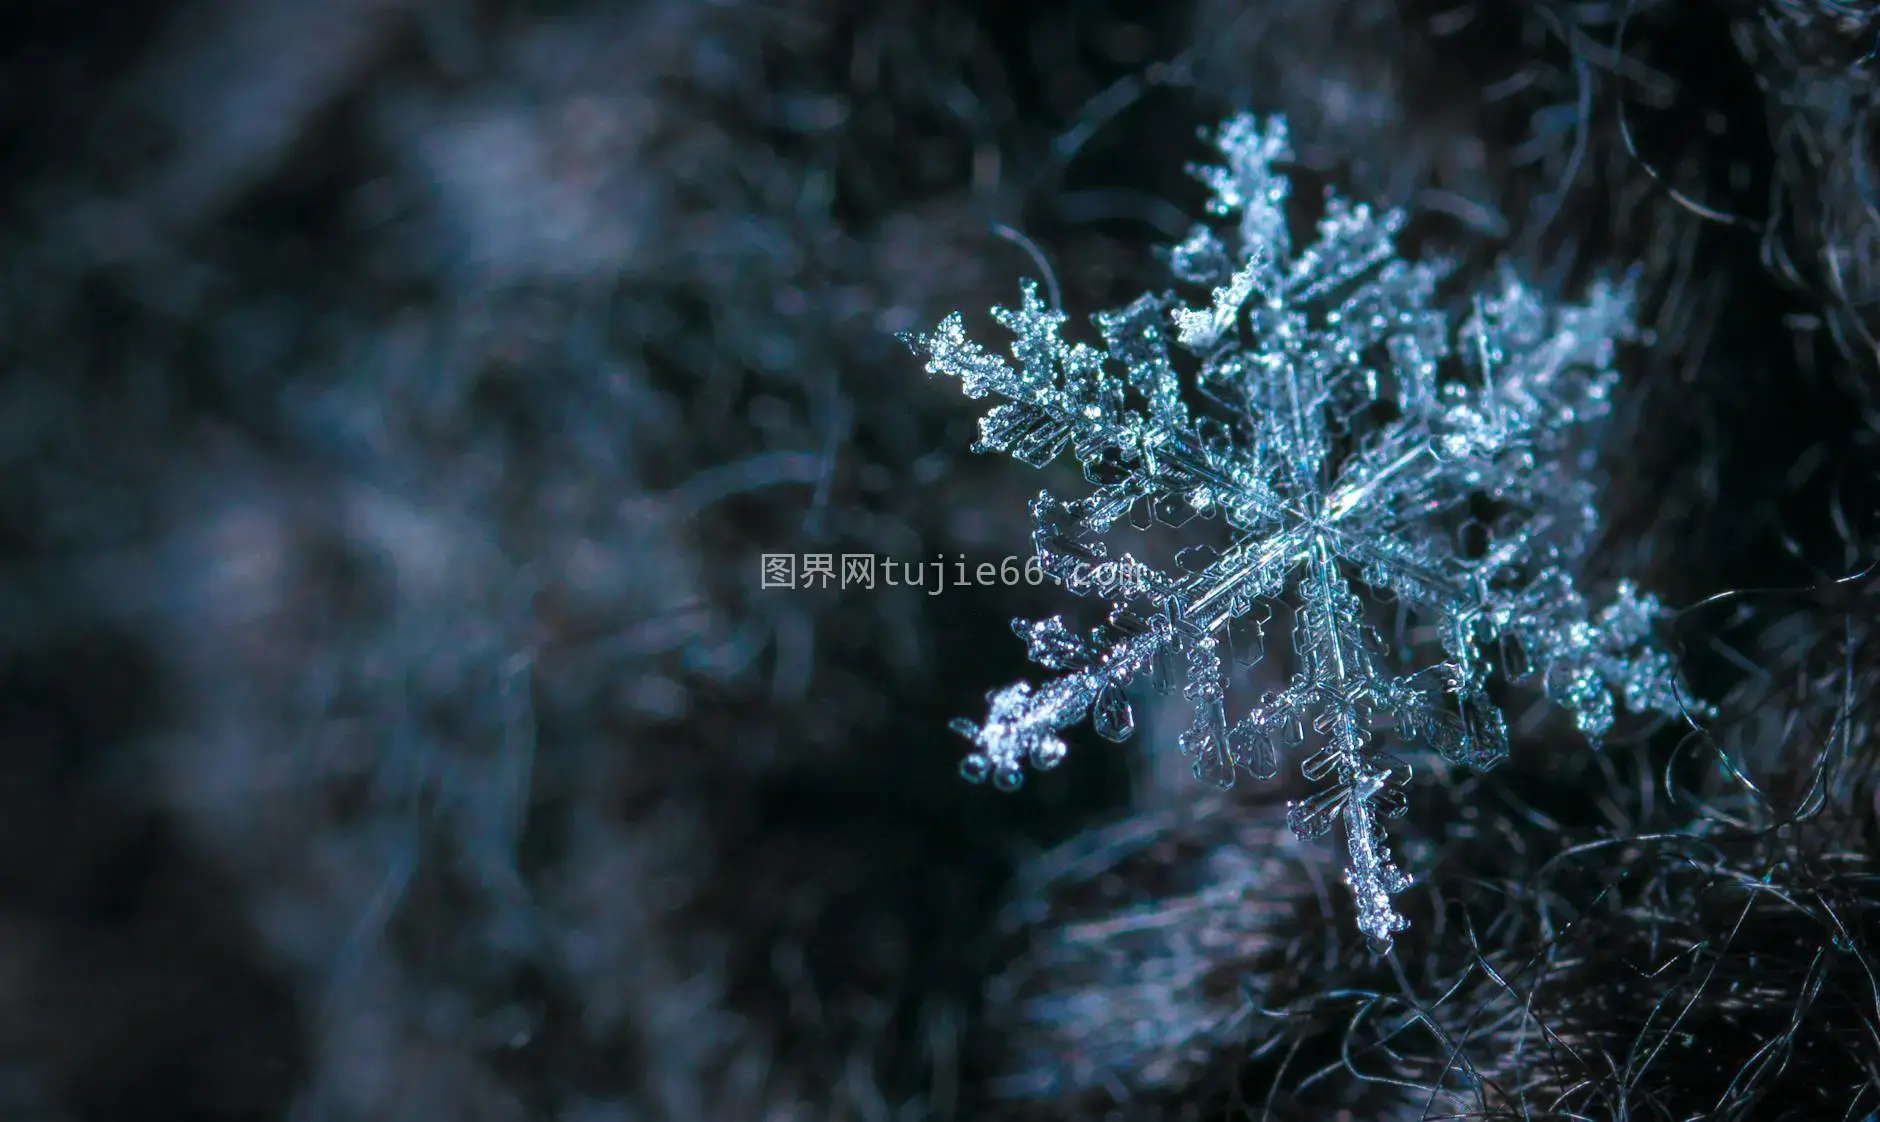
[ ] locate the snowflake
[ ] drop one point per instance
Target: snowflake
(1354, 455)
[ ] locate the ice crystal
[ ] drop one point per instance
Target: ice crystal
(1356, 450)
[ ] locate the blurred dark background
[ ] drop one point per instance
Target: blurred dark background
(396, 397)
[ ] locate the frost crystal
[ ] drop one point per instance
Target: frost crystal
(1347, 445)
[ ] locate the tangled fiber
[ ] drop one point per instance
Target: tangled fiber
(397, 401)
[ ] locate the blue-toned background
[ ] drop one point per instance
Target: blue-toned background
(396, 399)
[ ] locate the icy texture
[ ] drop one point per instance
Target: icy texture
(1353, 444)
